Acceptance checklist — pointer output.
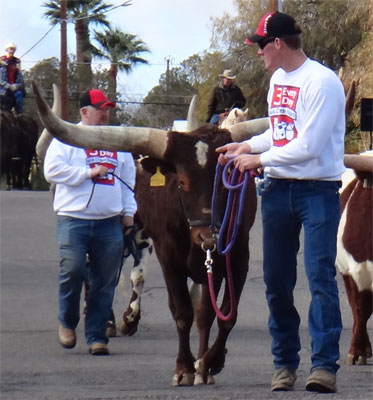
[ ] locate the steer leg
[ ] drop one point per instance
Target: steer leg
(25, 172)
(111, 327)
(16, 172)
(141, 252)
(205, 319)
(132, 315)
(361, 306)
(181, 308)
(8, 178)
(212, 361)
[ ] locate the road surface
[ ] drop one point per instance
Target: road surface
(35, 367)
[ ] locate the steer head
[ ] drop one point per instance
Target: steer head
(189, 166)
(194, 157)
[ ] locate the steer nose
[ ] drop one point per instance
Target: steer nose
(208, 240)
(202, 235)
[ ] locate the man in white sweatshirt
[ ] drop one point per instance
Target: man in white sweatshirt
(302, 155)
(92, 207)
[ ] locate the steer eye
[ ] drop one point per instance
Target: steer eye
(181, 184)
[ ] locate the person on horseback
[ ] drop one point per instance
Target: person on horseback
(12, 86)
(225, 96)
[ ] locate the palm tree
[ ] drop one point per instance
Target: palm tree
(122, 49)
(83, 13)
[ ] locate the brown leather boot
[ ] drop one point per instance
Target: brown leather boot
(99, 349)
(283, 380)
(67, 337)
(321, 381)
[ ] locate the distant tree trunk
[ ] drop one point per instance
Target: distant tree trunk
(83, 55)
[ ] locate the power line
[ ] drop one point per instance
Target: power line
(153, 103)
(38, 41)
(124, 4)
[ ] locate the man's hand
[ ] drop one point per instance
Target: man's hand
(247, 162)
(232, 150)
(98, 171)
(127, 221)
(13, 87)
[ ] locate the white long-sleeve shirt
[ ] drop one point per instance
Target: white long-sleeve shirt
(70, 169)
(307, 125)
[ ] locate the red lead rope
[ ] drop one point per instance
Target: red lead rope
(208, 263)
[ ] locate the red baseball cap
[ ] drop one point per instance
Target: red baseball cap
(273, 25)
(96, 99)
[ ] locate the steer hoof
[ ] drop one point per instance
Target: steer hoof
(111, 329)
(128, 329)
(186, 379)
(356, 360)
(199, 379)
(362, 360)
(349, 359)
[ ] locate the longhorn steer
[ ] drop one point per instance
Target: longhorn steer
(177, 217)
(355, 251)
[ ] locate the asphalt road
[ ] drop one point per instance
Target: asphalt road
(35, 367)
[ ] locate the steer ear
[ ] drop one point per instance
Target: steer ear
(150, 165)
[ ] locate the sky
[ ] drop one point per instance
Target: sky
(171, 29)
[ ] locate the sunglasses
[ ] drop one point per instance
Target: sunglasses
(263, 43)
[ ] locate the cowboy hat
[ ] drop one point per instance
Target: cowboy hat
(10, 46)
(227, 74)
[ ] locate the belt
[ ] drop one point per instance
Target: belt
(312, 181)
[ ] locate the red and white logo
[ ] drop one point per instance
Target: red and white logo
(108, 159)
(283, 115)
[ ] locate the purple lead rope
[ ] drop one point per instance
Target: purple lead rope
(232, 184)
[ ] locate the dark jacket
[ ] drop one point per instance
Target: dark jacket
(224, 98)
(4, 81)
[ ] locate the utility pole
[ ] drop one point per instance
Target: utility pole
(63, 62)
(275, 5)
(168, 74)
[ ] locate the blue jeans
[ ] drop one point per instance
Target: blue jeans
(18, 95)
(214, 119)
(287, 205)
(102, 240)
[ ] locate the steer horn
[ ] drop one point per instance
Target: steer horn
(149, 141)
(358, 162)
(45, 137)
(192, 122)
(246, 129)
